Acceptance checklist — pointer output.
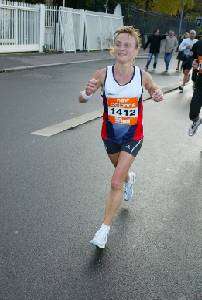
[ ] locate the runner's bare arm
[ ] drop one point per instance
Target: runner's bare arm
(153, 89)
(96, 81)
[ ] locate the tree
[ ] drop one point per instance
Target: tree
(172, 7)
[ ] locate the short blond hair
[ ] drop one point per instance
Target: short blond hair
(131, 31)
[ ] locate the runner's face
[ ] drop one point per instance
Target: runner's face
(125, 48)
(192, 35)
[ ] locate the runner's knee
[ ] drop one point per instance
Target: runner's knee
(116, 183)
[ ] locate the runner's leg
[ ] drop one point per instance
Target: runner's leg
(155, 60)
(195, 105)
(114, 160)
(168, 57)
(186, 76)
(148, 60)
(115, 195)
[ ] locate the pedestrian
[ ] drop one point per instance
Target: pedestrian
(170, 46)
(122, 128)
(186, 47)
(180, 56)
(196, 102)
(154, 41)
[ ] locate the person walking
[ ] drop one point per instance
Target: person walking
(186, 47)
(154, 41)
(180, 56)
(122, 128)
(196, 101)
(170, 46)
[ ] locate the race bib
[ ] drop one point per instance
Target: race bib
(123, 110)
(200, 64)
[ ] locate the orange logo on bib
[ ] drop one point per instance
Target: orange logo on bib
(123, 110)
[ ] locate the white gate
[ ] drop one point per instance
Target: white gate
(67, 29)
(78, 27)
(26, 27)
(52, 38)
(19, 27)
(100, 28)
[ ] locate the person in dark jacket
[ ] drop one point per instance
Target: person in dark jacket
(196, 101)
(154, 41)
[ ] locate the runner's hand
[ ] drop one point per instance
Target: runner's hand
(91, 86)
(157, 95)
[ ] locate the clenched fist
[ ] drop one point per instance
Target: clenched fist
(157, 95)
(92, 86)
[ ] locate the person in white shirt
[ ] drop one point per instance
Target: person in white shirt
(186, 47)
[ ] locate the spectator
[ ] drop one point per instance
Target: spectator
(154, 41)
(170, 45)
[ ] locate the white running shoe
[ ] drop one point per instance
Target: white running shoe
(100, 238)
(128, 188)
(194, 127)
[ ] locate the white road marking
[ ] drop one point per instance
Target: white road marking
(74, 122)
(68, 124)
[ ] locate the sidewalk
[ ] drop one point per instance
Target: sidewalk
(20, 61)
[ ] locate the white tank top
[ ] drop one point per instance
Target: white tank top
(122, 118)
(131, 89)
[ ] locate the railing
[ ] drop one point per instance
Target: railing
(26, 27)
(19, 27)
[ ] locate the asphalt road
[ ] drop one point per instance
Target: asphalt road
(53, 190)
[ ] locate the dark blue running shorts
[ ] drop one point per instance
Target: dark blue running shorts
(131, 147)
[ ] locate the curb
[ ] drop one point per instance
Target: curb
(20, 68)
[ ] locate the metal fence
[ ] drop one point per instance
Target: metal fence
(100, 28)
(19, 26)
(147, 21)
(26, 27)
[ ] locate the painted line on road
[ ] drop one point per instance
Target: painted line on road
(74, 122)
(68, 124)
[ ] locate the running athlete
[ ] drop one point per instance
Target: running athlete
(186, 47)
(196, 102)
(122, 129)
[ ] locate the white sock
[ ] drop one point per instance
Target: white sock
(105, 227)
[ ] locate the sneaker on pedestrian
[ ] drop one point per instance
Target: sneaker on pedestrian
(194, 127)
(181, 88)
(100, 238)
(154, 66)
(128, 188)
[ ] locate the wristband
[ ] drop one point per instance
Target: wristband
(85, 96)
